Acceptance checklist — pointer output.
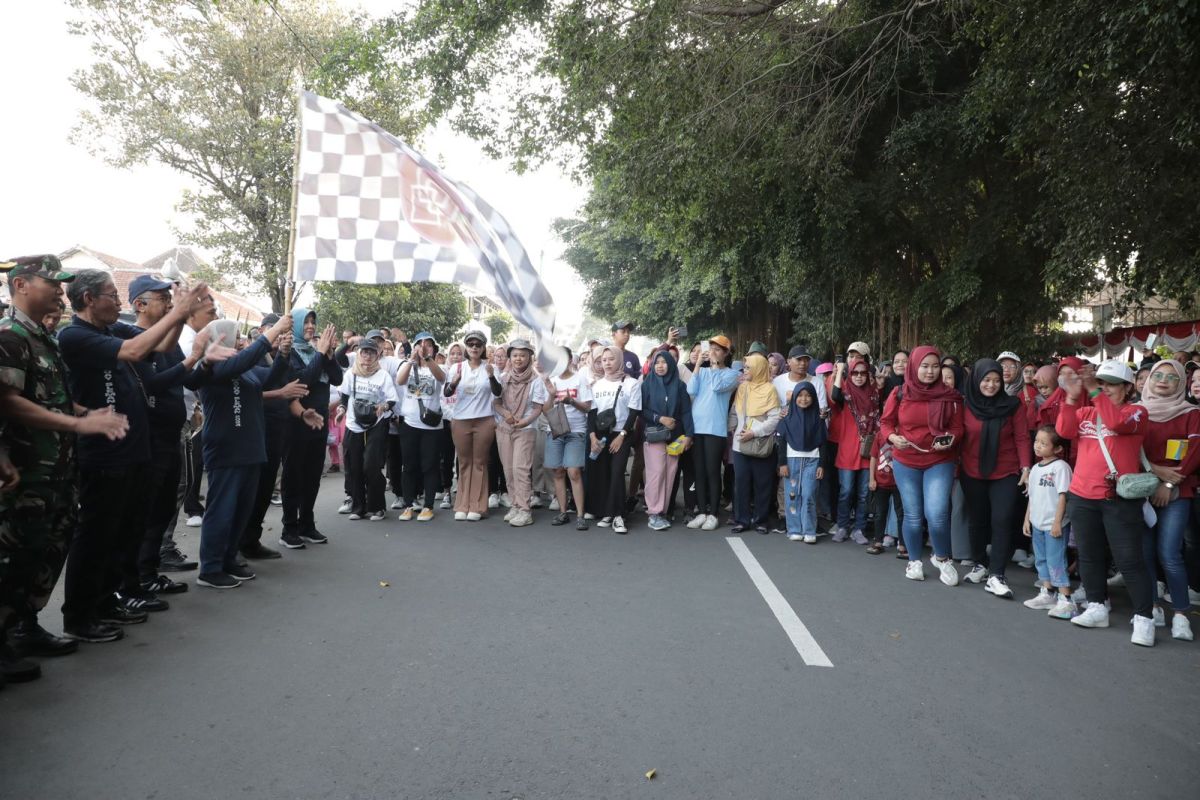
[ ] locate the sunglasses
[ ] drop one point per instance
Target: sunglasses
(474, 344)
(860, 372)
(1164, 377)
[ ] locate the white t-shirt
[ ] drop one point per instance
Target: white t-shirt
(1046, 483)
(784, 384)
(390, 364)
(577, 387)
(422, 384)
(537, 397)
(378, 388)
(604, 394)
(473, 397)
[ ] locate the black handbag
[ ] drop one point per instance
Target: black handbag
(365, 413)
(659, 433)
(428, 415)
(606, 420)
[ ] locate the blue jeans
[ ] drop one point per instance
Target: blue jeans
(1168, 534)
(926, 495)
(800, 499)
(1050, 556)
(854, 482)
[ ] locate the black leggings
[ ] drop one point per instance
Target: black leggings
(884, 497)
(365, 454)
(707, 452)
(604, 495)
(1119, 525)
(992, 508)
(422, 454)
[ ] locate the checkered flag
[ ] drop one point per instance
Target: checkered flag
(370, 209)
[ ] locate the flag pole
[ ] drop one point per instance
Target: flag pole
(290, 286)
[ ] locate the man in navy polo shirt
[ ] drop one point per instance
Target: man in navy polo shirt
(100, 351)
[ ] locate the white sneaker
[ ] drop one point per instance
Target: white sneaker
(344, 508)
(810, 538)
(588, 515)
(1180, 628)
(536, 501)
(604, 522)
(1028, 563)
(1161, 589)
(858, 538)
(1044, 600)
(618, 525)
(195, 521)
(710, 523)
(1117, 580)
(1160, 618)
(1064, 608)
(354, 516)
(696, 521)
(378, 515)
(505, 500)
(998, 586)
(949, 573)
(460, 516)
(1143, 631)
(398, 502)
(446, 502)
(915, 571)
(1094, 616)
(474, 516)
(493, 501)
(978, 574)
(1019, 555)
(554, 504)
(512, 512)
(795, 537)
(1079, 595)
(838, 535)
(521, 519)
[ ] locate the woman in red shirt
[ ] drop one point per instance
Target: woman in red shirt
(1098, 516)
(923, 421)
(996, 458)
(1172, 446)
(855, 424)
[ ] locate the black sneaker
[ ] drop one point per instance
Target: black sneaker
(314, 537)
(174, 561)
(292, 541)
(561, 519)
(217, 580)
(260, 552)
(163, 585)
(16, 669)
(581, 524)
(143, 601)
(31, 639)
(118, 614)
(93, 632)
(241, 572)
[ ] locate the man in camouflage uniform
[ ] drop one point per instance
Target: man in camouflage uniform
(37, 518)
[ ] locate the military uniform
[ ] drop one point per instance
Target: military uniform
(38, 518)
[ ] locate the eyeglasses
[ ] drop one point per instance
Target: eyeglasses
(116, 298)
(1164, 377)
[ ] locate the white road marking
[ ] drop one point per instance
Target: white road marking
(802, 640)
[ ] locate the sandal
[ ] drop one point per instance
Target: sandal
(902, 552)
(875, 548)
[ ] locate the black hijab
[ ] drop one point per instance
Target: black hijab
(992, 411)
(802, 428)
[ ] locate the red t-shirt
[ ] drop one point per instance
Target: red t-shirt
(843, 429)
(1123, 430)
(1185, 427)
(910, 419)
(1013, 453)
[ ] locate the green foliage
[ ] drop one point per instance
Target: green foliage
(438, 308)
(500, 323)
(895, 170)
(209, 89)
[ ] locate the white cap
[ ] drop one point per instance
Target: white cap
(859, 347)
(1114, 371)
(1009, 354)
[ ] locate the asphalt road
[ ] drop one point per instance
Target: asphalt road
(543, 662)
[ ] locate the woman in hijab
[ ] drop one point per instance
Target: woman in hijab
(855, 420)
(996, 459)
(1172, 445)
(312, 362)
(923, 421)
(778, 364)
(667, 412)
(608, 438)
(1067, 369)
(517, 408)
(367, 387)
(801, 434)
(754, 415)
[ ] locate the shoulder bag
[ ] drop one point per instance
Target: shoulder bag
(759, 446)
(1131, 485)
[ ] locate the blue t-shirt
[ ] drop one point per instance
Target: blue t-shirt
(162, 377)
(99, 378)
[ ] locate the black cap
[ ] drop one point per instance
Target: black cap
(269, 319)
(622, 324)
(799, 351)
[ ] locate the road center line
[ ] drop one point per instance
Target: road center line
(802, 640)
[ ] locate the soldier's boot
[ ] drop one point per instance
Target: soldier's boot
(28, 638)
(15, 669)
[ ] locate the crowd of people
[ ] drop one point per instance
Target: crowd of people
(110, 428)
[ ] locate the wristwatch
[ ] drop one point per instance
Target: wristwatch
(1168, 484)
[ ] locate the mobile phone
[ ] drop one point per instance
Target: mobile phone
(1151, 340)
(945, 440)
(681, 331)
(840, 359)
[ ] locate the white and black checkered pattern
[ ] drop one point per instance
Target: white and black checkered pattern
(350, 223)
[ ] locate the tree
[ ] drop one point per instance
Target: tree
(439, 308)
(208, 89)
(499, 323)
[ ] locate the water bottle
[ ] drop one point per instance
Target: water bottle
(594, 455)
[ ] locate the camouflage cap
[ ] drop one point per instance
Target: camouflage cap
(45, 266)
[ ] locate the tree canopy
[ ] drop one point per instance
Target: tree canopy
(901, 170)
(439, 308)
